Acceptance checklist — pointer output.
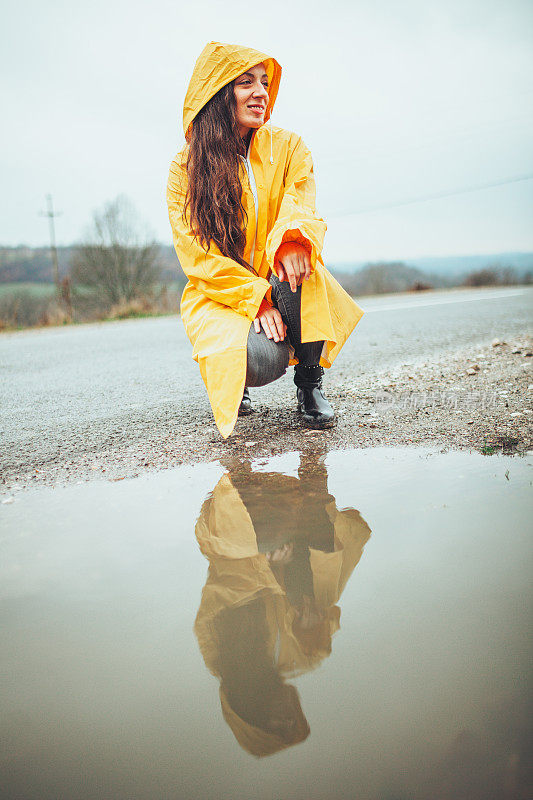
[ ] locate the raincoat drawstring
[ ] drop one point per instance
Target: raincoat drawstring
(270, 128)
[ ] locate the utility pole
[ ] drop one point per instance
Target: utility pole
(53, 249)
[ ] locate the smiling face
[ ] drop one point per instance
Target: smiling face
(251, 98)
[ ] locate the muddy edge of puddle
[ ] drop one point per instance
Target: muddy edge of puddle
(476, 398)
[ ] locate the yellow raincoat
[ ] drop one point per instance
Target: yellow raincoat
(221, 298)
(239, 575)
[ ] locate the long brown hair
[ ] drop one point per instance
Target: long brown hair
(214, 191)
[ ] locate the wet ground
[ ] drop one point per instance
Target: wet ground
(318, 624)
(114, 399)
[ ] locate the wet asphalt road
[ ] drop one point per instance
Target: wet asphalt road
(67, 391)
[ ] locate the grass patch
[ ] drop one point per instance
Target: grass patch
(28, 305)
(40, 290)
(489, 450)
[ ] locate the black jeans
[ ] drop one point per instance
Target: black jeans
(268, 360)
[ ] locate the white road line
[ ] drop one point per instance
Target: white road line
(440, 301)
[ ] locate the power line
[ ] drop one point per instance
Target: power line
(436, 196)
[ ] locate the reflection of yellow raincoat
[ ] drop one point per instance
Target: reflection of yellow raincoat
(222, 298)
(239, 573)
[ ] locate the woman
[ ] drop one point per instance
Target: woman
(241, 203)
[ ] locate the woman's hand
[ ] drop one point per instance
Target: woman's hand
(292, 264)
(280, 556)
(272, 324)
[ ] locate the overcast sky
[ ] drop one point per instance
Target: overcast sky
(399, 101)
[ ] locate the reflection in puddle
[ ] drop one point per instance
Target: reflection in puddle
(422, 693)
(280, 554)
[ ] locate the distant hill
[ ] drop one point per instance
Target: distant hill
(33, 264)
(455, 266)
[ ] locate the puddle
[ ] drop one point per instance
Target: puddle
(347, 626)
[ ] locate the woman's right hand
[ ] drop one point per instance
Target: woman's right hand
(272, 323)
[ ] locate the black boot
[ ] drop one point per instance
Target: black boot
(245, 407)
(316, 410)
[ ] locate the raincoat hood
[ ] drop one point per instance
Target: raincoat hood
(217, 65)
(259, 742)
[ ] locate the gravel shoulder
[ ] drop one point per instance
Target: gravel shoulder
(476, 398)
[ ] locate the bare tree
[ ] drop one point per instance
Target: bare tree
(118, 257)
